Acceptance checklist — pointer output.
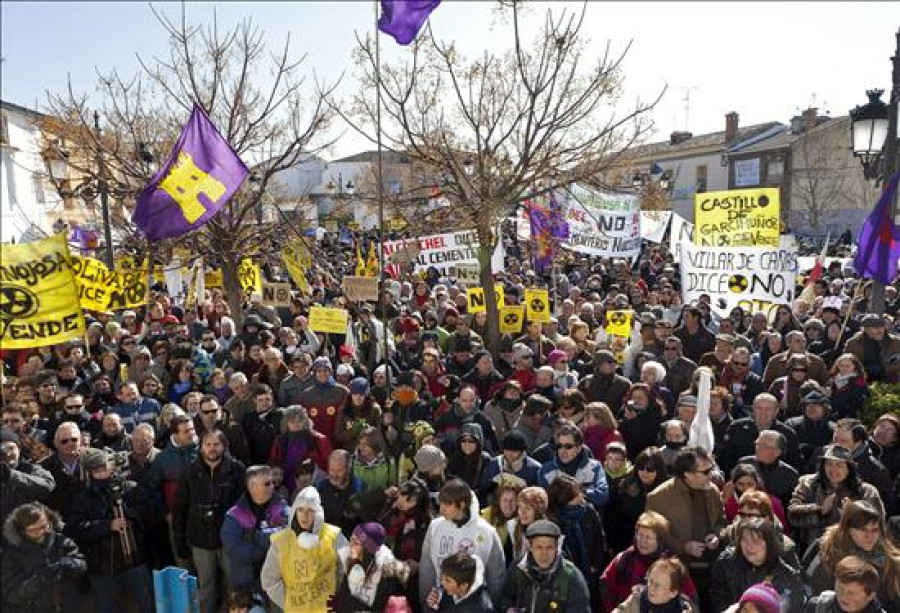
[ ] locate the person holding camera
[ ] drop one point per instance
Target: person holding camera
(106, 521)
(20, 481)
(206, 490)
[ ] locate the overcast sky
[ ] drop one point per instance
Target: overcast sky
(764, 60)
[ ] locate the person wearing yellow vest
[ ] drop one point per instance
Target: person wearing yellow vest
(301, 572)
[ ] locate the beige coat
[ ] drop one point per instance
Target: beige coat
(672, 500)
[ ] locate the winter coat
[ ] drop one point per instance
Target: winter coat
(26, 482)
(732, 574)
(872, 471)
(39, 577)
(323, 402)
(66, 485)
(642, 430)
(627, 504)
(610, 389)
(245, 538)
(679, 374)
(826, 602)
(261, 432)
(445, 537)
(598, 438)
(740, 441)
(806, 503)
(627, 570)
(144, 411)
(633, 604)
(203, 496)
(358, 593)
(528, 472)
(476, 600)
(779, 478)
(888, 347)
(812, 436)
(167, 469)
(502, 420)
(561, 588)
(778, 367)
(291, 388)
(817, 575)
(234, 434)
(585, 470)
(449, 427)
(848, 400)
(673, 500)
(290, 449)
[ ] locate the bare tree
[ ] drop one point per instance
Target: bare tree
(260, 99)
(499, 126)
(824, 180)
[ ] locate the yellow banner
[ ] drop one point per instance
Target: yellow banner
(619, 323)
(213, 278)
(102, 289)
(476, 302)
(324, 319)
(738, 218)
(537, 305)
(249, 277)
(297, 260)
(511, 318)
(38, 295)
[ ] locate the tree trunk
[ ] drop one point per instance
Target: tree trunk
(485, 255)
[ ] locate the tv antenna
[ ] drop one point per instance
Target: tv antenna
(687, 89)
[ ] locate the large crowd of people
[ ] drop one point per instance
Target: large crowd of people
(412, 465)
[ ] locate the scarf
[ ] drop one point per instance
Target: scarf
(511, 467)
(673, 606)
(570, 518)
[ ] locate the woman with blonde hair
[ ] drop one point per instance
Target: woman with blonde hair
(532, 504)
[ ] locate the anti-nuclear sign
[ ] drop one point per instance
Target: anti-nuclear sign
(537, 305)
(102, 289)
(476, 301)
(441, 251)
(738, 218)
(603, 223)
(511, 318)
(757, 280)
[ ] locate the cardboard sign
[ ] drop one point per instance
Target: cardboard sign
(537, 305)
(329, 320)
(738, 218)
(360, 289)
(619, 323)
(511, 319)
(276, 294)
(476, 301)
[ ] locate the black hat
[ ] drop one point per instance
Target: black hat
(463, 344)
(406, 378)
(542, 527)
(8, 436)
(515, 441)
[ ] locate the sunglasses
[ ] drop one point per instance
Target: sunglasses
(74, 406)
(210, 412)
(798, 370)
(567, 446)
(67, 441)
(705, 473)
(646, 469)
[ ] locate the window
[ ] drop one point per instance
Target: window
(775, 170)
(37, 182)
(700, 183)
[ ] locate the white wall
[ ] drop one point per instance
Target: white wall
(684, 172)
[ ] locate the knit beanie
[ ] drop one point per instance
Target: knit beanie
(322, 362)
(428, 458)
(371, 535)
(360, 386)
(764, 596)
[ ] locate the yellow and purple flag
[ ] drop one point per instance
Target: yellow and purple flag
(548, 228)
(879, 241)
(202, 173)
(403, 19)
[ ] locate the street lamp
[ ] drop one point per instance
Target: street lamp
(664, 180)
(868, 132)
(873, 136)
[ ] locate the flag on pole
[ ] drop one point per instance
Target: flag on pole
(879, 241)
(201, 174)
(372, 261)
(548, 228)
(403, 19)
(808, 294)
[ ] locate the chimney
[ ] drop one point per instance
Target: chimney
(677, 138)
(809, 118)
(731, 126)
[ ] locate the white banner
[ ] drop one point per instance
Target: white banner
(757, 279)
(603, 223)
(682, 232)
(654, 225)
(445, 251)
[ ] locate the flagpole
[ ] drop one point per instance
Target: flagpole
(380, 172)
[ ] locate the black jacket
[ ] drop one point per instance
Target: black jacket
(732, 574)
(826, 602)
(39, 577)
(261, 433)
(641, 431)
(812, 436)
(740, 441)
(203, 497)
(779, 479)
(89, 524)
(67, 486)
(25, 483)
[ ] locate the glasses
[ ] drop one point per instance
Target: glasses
(210, 411)
(705, 473)
(567, 446)
(74, 406)
(646, 469)
(741, 364)
(68, 441)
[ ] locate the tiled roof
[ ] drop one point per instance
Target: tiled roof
(665, 148)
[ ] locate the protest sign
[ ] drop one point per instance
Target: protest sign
(38, 296)
(476, 301)
(833, 302)
(297, 260)
(276, 294)
(466, 275)
(511, 318)
(329, 320)
(619, 323)
(537, 305)
(654, 225)
(213, 278)
(443, 251)
(603, 223)
(681, 233)
(249, 277)
(360, 289)
(102, 289)
(754, 278)
(738, 218)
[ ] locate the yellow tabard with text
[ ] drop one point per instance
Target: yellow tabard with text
(310, 575)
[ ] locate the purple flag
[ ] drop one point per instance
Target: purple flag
(403, 19)
(879, 241)
(201, 174)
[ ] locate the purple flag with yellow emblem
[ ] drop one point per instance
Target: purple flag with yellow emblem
(879, 241)
(403, 19)
(548, 228)
(201, 174)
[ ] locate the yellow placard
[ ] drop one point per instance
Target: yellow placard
(537, 305)
(297, 260)
(102, 289)
(249, 277)
(213, 278)
(38, 295)
(476, 302)
(511, 318)
(618, 323)
(738, 218)
(329, 320)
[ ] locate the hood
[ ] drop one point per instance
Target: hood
(476, 584)
(17, 539)
(309, 497)
(474, 430)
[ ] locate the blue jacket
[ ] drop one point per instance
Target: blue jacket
(246, 541)
(528, 473)
(167, 468)
(144, 411)
(586, 470)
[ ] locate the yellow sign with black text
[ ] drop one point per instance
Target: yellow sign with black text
(38, 295)
(738, 218)
(102, 289)
(249, 277)
(511, 318)
(537, 305)
(328, 320)
(476, 302)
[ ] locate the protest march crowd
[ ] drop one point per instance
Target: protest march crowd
(404, 465)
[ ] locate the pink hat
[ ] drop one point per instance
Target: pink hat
(764, 596)
(555, 356)
(371, 535)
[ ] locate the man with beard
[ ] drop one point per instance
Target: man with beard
(212, 417)
(605, 385)
(206, 490)
(112, 435)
